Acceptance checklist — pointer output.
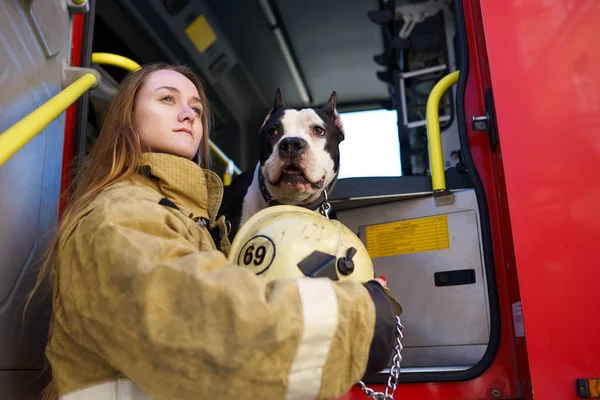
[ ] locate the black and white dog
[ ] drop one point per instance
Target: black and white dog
(299, 160)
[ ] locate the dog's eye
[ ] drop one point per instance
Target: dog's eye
(273, 131)
(317, 130)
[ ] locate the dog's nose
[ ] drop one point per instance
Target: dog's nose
(292, 146)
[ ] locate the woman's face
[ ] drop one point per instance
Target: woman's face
(167, 114)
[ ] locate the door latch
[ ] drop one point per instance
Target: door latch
(487, 122)
(481, 122)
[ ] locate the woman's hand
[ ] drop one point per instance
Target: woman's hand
(382, 281)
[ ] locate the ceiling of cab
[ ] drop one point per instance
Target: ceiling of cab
(333, 43)
(329, 43)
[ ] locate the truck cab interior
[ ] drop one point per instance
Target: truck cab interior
(383, 58)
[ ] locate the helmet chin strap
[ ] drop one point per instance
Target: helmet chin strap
(312, 205)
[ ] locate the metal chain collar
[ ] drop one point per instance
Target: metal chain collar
(390, 389)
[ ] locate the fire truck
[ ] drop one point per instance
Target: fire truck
(490, 214)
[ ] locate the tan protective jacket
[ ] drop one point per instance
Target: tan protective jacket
(146, 308)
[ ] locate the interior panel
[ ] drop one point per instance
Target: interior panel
(34, 43)
(445, 325)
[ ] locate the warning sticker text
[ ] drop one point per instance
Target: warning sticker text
(405, 237)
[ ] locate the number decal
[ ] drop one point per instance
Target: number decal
(257, 257)
(257, 254)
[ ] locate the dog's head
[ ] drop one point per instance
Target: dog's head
(299, 153)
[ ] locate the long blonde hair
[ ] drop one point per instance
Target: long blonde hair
(114, 157)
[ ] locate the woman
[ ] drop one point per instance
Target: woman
(145, 307)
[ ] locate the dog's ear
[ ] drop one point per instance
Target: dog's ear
(330, 107)
(331, 110)
(278, 103)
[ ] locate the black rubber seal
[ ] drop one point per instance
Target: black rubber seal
(81, 118)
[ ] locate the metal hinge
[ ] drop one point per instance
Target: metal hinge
(443, 197)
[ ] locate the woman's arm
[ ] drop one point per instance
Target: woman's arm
(184, 324)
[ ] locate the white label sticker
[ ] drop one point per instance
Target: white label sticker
(518, 319)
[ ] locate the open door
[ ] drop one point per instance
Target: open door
(543, 59)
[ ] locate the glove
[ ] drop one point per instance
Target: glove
(384, 337)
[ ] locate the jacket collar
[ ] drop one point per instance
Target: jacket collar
(183, 182)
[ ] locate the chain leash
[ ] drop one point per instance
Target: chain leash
(390, 389)
(392, 383)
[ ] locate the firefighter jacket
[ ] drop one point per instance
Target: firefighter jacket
(145, 306)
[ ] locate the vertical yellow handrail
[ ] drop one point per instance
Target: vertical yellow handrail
(21, 133)
(130, 65)
(434, 137)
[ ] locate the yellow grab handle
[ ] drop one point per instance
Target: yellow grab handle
(227, 179)
(229, 172)
(116, 60)
(224, 159)
(21, 133)
(434, 137)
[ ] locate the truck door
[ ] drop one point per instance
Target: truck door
(543, 59)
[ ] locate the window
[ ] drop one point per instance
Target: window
(371, 146)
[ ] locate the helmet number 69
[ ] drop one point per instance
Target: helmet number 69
(257, 256)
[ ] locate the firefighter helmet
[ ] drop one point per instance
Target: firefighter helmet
(289, 241)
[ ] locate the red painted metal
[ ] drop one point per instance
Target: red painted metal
(508, 375)
(544, 59)
(71, 113)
